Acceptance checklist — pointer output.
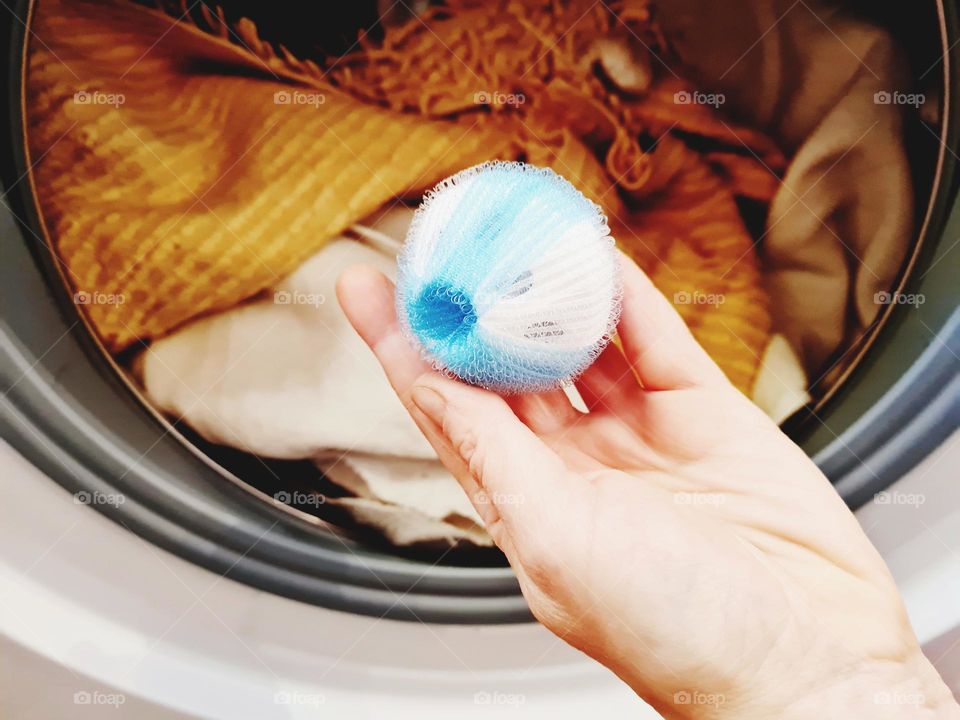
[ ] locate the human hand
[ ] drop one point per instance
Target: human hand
(673, 533)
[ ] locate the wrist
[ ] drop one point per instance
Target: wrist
(903, 689)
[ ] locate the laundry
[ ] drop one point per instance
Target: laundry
(222, 214)
(285, 376)
(205, 187)
(547, 71)
(814, 79)
(202, 188)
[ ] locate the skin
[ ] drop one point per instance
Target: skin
(673, 533)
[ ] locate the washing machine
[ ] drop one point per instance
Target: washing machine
(146, 574)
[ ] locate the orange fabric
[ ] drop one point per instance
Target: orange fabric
(200, 190)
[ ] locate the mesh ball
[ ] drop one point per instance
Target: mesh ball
(508, 278)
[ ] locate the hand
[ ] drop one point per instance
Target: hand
(673, 532)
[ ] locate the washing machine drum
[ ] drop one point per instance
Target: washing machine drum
(888, 398)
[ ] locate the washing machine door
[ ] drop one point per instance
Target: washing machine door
(70, 411)
(75, 418)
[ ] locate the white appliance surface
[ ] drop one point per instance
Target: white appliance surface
(96, 622)
(94, 618)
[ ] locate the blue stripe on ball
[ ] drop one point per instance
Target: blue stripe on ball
(503, 252)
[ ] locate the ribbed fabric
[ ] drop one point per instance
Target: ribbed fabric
(199, 190)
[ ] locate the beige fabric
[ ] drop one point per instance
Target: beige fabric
(423, 484)
(781, 385)
(807, 74)
(404, 525)
(285, 375)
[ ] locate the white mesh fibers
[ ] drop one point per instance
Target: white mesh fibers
(508, 278)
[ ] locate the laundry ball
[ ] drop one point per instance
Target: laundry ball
(508, 278)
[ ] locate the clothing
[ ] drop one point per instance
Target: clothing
(820, 82)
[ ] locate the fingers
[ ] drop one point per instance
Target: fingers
(656, 341)
(498, 451)
(543, 412)
(520, 487)
(609, 383)
(475, 433)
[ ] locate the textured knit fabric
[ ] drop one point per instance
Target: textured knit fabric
(183, 166)
(202, 187)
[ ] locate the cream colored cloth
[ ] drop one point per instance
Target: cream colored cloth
(286, 376)
(781, 385)
(407, 499)
(807, 74)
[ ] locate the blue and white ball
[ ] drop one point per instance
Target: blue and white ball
(508, 278)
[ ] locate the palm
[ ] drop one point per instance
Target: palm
(725, 538)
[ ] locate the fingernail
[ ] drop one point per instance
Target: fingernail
(429, 402)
